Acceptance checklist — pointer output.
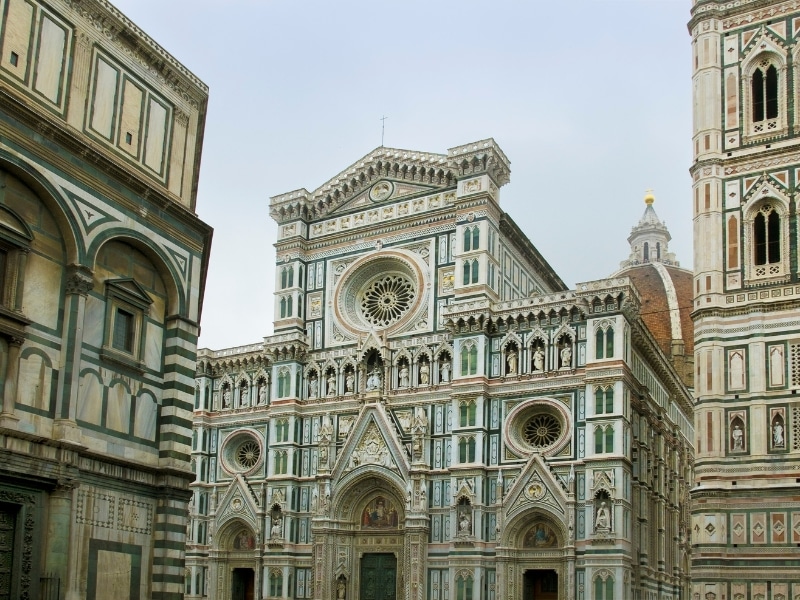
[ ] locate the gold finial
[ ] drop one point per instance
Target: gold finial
(649, 198)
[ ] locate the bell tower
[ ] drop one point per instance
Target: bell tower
(745, 518)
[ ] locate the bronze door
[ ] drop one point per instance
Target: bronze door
(378, 577)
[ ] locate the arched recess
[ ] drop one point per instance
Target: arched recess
(175, 293)
(351, 490)
(53, 200)
(37, 380)
(534, 539)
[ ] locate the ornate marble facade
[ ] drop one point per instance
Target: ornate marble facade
(745, 516)
(102, 268)
(437, 415)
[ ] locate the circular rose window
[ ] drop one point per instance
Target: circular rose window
(387, 299)
(380, 292)
(541, 425)
(241, 452)
(542, 430)
(247, 454)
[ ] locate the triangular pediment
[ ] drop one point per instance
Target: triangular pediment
(382, 192)
(373, 444)
(130, 290)
(238, 503)
(386, 174)
(536, 487)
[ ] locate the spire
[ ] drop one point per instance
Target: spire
(649, 238)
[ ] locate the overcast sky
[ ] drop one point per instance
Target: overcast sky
(589, 99)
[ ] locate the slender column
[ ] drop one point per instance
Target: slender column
(57, 552)
(79, 284)
(7, 417)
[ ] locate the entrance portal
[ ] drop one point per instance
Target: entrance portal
(540, 584)
(378, 577)
(243, 584)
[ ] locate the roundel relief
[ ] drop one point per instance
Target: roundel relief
(381, 191)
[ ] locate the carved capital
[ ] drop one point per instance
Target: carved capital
(79, 280)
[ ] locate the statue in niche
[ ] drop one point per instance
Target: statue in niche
(276, 532)
(313, 386)
(602, 521)
(332, 384)
(349, 382)
(444, 372)
(777, 434)
(262, 394)
(404, 380)
(511, 362)
(538, 359)
(226, 398)
(341, 589)
(424, 374)
(374, 380)
(737, 437)
(566, 356)
(464, 524)
(244, 397)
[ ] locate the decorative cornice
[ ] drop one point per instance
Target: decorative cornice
(137, 45)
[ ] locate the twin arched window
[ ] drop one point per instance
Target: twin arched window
(766, 236)
(603, 439)
(286, 307)
(604, 343)
(764, 87)
(472, 238)
(287, 277)
(469, 359)
(470, 272)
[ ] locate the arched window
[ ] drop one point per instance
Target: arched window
(282, 430)
(472, 238)
(275, 584)
(658, 250)
(283, 307)
(464, 587)
(603, 401)
(604, 588)
(284, 382)
(281, 461)
(767, 236)
(467, 272)
(609, 439)
(604, 343)
(474, 270)
(467, 413)
(765, 93)
(603, 439)
(466, 449)
(469, 359)
(646, 252)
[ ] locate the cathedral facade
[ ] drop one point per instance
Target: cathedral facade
(102, 267)
(437, 415)
(745, 515)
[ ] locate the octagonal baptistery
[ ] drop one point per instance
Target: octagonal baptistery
(665, 289)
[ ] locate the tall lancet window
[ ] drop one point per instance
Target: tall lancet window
(765, 93)
(767, 236)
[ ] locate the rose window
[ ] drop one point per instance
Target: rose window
(387, 299)
(247, 454)
(241, 452)
(542, 430)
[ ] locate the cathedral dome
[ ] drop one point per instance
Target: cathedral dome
(665, 289)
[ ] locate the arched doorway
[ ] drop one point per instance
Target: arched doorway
(243, 584)
(535, 559)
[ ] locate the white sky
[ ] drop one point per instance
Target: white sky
(589, 99)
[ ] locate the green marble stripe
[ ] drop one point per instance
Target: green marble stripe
(171, 436)
(162, 544)
(182, 456)
(175, 420)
